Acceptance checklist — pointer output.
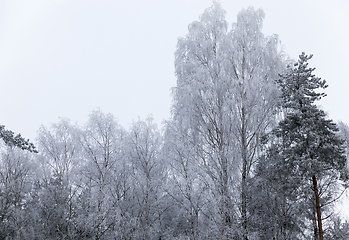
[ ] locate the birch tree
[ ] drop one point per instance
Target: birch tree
(225, 96)
(101, 143)
(149, 174)
(15, 184)
(186, 185)
(254, 64)
(59, 160)
(201, 102)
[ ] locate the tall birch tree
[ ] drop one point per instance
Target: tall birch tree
(200, 105)
(225, 98)
(254, 65)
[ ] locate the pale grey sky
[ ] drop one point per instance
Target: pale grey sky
(65, 58)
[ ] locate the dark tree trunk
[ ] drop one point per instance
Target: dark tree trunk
(318, 208)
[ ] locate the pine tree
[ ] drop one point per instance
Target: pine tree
(17, 141)
(307, 143)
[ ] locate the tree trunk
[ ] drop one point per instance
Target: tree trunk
(244, 207)
(244, 176)
(315, 229)
(226, 220)
(318, 208)
(244, 196)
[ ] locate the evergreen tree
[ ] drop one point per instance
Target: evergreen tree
(277, 202)
(306, 143)
(18, 141)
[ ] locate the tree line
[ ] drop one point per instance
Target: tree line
(246, 154)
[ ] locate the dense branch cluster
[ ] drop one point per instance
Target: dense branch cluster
(247, 154)
(15, 141)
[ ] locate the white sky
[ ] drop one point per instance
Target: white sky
(66, 58)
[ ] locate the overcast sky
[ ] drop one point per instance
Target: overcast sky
(67, 58)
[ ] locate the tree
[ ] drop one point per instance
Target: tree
(149, 174)
(308, 144)
(59, 155)
(277, 203)
(200, 102)
(255, 63)
(186, 186)
(17, 141)
(225, 100)
(102, 150)
(15, 185)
